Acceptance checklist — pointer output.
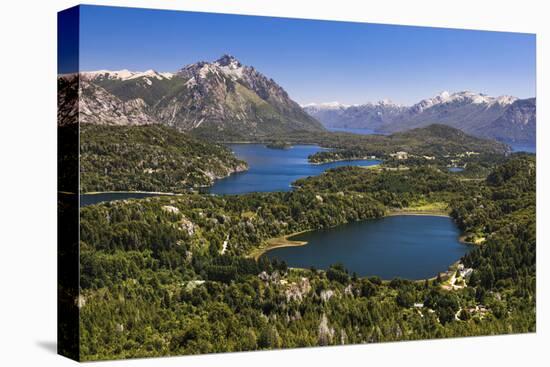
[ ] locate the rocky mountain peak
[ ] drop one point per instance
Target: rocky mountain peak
(221, 97)
(506, 100)
(228, 60)
(444, 95)
(386, 102)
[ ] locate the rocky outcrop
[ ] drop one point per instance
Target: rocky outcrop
(98, 106)
(326, 333)
(297, 291)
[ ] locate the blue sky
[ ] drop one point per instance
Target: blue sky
(315, 61)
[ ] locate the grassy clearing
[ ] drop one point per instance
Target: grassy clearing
(423, 208)
(276, 242)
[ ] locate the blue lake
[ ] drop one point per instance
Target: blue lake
(352, 130)
(411, 247)
(269, 170)
(275, 169)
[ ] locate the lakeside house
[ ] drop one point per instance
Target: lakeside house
(400, 155)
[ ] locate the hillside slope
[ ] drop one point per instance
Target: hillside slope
(149, 158)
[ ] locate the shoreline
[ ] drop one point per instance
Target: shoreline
(462, 239)
(427, 213)
(284, 241)
(278, 242)
(132, 192)
(349, 160)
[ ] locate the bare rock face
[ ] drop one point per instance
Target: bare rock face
(297, 291)
(97, 106)
(170, 209)
(343, 337)
(516, 125)
(187, 225)
(274, 277)
(326, 295)
(325, 332)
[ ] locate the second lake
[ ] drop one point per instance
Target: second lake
(407, 246)
(275, 169)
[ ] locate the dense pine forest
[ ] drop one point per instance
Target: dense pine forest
(176, 275)
(149, 158)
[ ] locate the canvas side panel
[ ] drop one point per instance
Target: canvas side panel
(68, 184)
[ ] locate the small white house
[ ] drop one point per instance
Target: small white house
(400, 155)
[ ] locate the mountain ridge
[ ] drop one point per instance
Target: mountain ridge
(475, 113)
(218, 98)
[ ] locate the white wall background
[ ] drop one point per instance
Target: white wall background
(28, 181)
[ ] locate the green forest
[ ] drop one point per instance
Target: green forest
(175, 275)
(149, 158)
(162, 159)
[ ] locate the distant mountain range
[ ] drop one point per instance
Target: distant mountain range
(223, 98)
(504, 118)
(226, 99)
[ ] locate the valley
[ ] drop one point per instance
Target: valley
(194, 252)
(217, 215)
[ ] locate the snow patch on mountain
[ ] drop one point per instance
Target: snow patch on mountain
(230, 66)
(123, 74)
(150, 74)
(326, 106)
(464, 97)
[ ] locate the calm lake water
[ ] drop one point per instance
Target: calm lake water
(90, 199)
(269, 170)
(275, 169)
(352, 130)
(411, 247)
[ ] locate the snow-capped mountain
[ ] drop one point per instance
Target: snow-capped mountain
(474, 113)
(516, 125)
(223, 97)
(461, 98)
(123, 74)
(325, 106)
(369, 115)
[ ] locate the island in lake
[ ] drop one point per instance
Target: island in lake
(279, 145)
(217, 214)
